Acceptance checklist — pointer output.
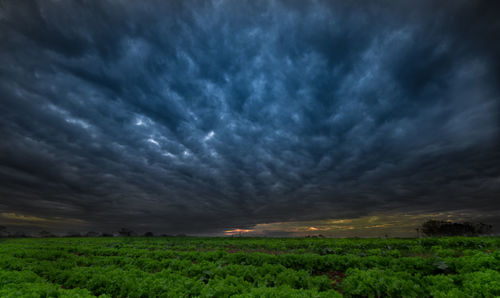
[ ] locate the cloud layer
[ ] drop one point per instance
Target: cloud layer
(202, 116)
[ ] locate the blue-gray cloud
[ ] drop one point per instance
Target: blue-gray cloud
(195, 116)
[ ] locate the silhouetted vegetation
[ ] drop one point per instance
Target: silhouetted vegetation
(4, 232)
(45, 234)
(148, 234)
(19, 234)
(73, 234)
(447, 228)
(315, 236)
(126, 232)
(92, 234)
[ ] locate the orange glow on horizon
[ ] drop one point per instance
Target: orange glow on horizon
(237, 231)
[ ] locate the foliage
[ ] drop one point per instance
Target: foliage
(446, 228)
(249, 267)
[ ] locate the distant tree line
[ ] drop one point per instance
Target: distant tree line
(432, 228)
(438, 228)
(123, 232)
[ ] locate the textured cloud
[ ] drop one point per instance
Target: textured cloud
(392, 224)
(207, 116)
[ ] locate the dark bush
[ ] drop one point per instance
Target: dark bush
(126, 232)
(447, 228)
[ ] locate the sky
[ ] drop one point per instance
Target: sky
(271, 118)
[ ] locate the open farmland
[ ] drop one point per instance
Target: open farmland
(249, 267)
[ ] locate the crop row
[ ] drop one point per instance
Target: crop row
(135, 267)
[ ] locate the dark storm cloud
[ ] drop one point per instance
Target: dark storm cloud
(197, 116)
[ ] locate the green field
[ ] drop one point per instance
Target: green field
(249, 267)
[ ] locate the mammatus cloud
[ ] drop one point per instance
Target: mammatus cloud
(205, 117)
